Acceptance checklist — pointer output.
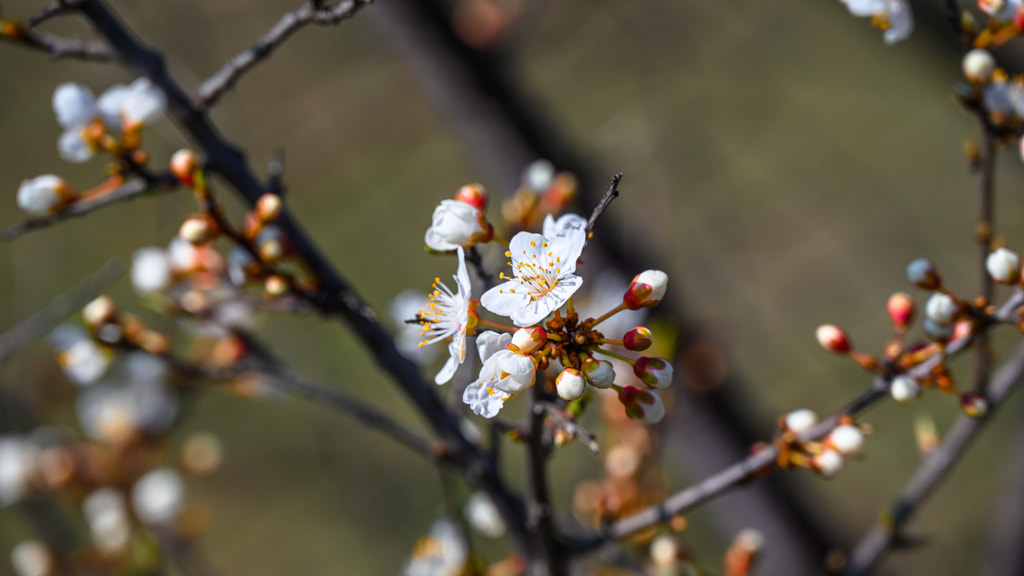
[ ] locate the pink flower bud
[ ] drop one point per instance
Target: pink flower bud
(600, 372)
(529, 340)
(655, 372)
(973, 405)
(923, 274)
(638, 339)
(646, 289)
(474, 195)
(269, 207)
(570, 384)
(642, 405)
(183, 166)
(901, 309)
(833, 339)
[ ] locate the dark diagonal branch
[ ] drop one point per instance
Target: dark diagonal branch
(222, 80)
(127, 191)
(551, 561)
(932, 472)
(63, 306)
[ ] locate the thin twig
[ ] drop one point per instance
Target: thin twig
(932, 471)
(552, 561)
(221, 81)
(64, 305)
(567, 422)
(985, 230)
(54, 9)
(127, 191)
(611, 194)
(54, 45)
(275, 173)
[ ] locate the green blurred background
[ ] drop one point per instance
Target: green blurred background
(781, 163)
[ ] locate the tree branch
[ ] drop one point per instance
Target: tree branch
(611, 194)
(551, 561)
(222, 80)
(54, 45)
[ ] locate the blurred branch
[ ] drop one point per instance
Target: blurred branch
(936, 466)
(1004, 555)
(985, 230)
(183, 553)
(63, 306)
(552, 561)
(221, 81)
(128, 191)
(54, 45)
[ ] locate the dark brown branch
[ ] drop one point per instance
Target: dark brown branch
(985, 230)
(551, 561)
(63, 306)
(127, 191)
(221, 81)
(611, 194)
(932, 472)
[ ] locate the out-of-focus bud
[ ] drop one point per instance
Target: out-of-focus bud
(978, 65)
(901, 309)
(800, 421)
(275, 286)
(638, 339)
(1004, 266)
(833, 339)
(561, 193)
(158, 496)
(642, 405)
(271, 244)
(151, 270)
(665, 551)
(904, 389)
(269, 207)
(941, 309)
(991, 7)
(198, 229)
(202, 454)
(743, 553)
(646, 289)
(529, 340)
(32, 558)
(845, 439)
(44, 194)
(654, 372)
(183, 166)
(974, 405)
(923, 274)
(538, 175)
(74, 105)
(939, 332)
(827, 463)
(570, 384)
(474, 195)
(926, 434)
(99, 311)
(600, 372)
(483, 515)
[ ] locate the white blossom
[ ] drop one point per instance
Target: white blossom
(106, 514)
(483, 515)
(563, 225)
(151, 270)
(456, 224)
(447, 315)
(158, 496)
(800, 421)
(1003, 265)
(504, 374)
(17, 464)
(538, 175)
(442, 553)
(109, 105)
(143, 103)
(39, 195)
(74, 105)
(403, 309)
(846, 439)
(828, 463)
(32, 558)
(543, 276)
(892, 16)
(84, 362)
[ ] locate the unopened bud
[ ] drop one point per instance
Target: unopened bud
(991, 7)
(570, 384)
(978, 65)
(974, 405)
(600, 372)
(275, 286)
(1004, 266)
(561, 192)
(833, 339)
(642, 405)
(202, 454)
(901, 309)
(638, 339)
(529, 340)
(99, 311)
(923, 274)
(271, 245)
(800, 421)
(904, 389)
(183, 166)
(655, 372)
(474, 195)
(827, 463)
(845, 439)
(665, 551)
(936, 331)
(941, 309)
(269, 207)
(646, 289)
(198, 229)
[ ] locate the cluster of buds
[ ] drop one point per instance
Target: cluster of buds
(990, 90)
(825, 457)
(543, 190)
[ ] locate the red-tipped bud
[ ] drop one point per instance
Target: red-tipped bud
(833, 339)
(561, 193)
(638, 339)
(655, 372)
(962, 329)
(600, 372)
(974, 405)
(198, 229)
(901, 309)
(570, 384)
(474, 195)
(99, 312)
(642, 405)
(183, 166)
(991, 7)
(269, 207)
(646, 289)
(529, 340)
(923, 274)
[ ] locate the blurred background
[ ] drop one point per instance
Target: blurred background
(781, 163)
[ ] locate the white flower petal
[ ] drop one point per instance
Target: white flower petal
(73, 147)
(449, 368)
(505, 298)
(489, 343)
(484, 401)
(74, 105)
(110, 105)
